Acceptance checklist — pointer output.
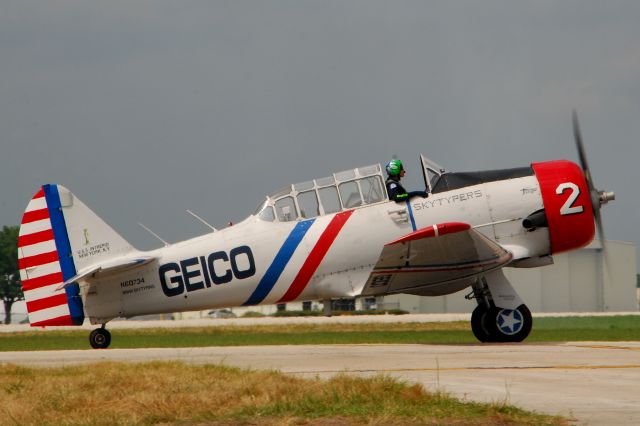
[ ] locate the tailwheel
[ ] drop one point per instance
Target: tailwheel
(508, 325)
(100, 338)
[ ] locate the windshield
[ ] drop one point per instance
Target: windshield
(340, 191)
(431, 171)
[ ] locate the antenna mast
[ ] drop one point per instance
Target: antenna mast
(154, 234)
(202, 220)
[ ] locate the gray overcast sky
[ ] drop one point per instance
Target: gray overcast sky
(145, 108)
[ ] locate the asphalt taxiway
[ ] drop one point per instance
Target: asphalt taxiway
(595, 383)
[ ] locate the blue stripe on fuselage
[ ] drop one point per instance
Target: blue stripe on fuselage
(274, 271)
(63, 246)
(413, 221)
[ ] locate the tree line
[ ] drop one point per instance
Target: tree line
(10, 285)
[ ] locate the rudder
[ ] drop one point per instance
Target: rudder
(59, 236)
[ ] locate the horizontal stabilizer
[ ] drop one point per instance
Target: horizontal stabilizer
(426, 260)
(110, 266)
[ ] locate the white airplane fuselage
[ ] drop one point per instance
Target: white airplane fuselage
(330, 256)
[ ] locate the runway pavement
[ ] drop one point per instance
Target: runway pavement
(596, 383)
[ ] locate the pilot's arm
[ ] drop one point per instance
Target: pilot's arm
(422, 194)
(397, 192)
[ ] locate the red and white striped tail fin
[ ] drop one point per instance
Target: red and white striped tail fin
(40, 267)
(51, 250)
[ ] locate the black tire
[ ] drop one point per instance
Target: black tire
(100, 338)
(479, 324)
(507, 325)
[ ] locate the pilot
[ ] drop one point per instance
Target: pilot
(396, 191)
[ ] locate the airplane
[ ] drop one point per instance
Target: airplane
(334, 237)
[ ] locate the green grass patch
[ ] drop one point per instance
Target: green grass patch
(178, 393)
(614, 328)
(337, 313)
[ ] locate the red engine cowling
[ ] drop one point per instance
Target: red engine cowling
(567, 204)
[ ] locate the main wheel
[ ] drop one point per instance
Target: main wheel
(479, 324)
(100, 338)
(509, 325)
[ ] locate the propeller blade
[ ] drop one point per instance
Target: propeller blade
(597, 198)
(603, 243)
(600, 227)
(581, 152)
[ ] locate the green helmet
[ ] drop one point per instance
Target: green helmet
(394, 167)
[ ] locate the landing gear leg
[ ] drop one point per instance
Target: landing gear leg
(100, 338)
(491, 323)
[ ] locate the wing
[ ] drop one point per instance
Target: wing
(431, 260)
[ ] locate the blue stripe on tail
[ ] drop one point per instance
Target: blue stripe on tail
(63, 246)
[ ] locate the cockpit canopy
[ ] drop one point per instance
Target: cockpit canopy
(340, 191)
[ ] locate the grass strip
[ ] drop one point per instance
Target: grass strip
(177, 393)
(615, 328)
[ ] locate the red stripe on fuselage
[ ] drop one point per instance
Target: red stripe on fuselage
(35, 238)
(315, 257)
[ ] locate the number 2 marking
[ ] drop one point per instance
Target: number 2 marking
(568, 207)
